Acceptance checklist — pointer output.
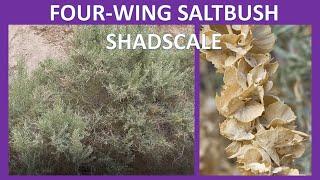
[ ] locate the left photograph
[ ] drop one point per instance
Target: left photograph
(77, 108)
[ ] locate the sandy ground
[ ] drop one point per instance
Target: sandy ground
(34, 44)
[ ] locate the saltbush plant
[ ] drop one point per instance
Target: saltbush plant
(103, 111)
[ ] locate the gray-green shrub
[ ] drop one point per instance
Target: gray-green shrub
(104, 111)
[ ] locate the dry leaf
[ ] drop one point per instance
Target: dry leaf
(256, 168)
(257, 59)
(249, 112)
(217, 58)
(263, 39)
(228, 102)
(277, 140)
(278, 113)
(285, 171)
(232, 76)
(257, 75)
(270, 99)
(233, 148)
(235, 130)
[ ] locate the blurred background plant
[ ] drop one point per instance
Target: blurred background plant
(293, 81)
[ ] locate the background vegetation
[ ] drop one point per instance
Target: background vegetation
(103, 111)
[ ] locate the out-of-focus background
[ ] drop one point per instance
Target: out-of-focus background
(293, 82)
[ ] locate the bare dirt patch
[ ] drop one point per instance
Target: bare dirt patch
(33, 44)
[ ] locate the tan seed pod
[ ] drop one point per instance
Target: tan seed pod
(235, 130)
(278, 113)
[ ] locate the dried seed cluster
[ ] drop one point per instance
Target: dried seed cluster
(260, 125)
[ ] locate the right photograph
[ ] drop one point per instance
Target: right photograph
(255, 100)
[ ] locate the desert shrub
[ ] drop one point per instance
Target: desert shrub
(104, 111)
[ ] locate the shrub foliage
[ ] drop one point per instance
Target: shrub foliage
(103, 111)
